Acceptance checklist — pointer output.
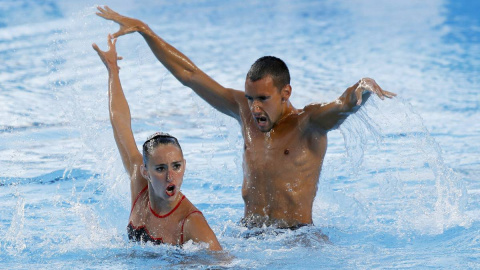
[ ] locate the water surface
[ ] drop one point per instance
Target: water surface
(399, 184)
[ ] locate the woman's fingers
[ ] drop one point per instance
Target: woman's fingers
(111, 42)
(111, 45)
(97, 49)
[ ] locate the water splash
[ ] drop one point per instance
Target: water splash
(400, 182)
(14, 238)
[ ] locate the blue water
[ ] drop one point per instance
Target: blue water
(399, 186)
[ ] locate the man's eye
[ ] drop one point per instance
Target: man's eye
(177, 166)
(160, 169)
(263, 98)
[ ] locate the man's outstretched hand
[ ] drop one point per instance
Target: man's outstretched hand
(369, 85)
(127, 25)
(109, 57)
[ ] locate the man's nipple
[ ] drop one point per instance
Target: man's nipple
(286, 152)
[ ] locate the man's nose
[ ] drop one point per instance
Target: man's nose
(255, 108)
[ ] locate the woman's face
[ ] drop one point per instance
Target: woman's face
(165, 170)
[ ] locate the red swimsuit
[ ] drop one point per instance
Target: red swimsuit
(141, 233)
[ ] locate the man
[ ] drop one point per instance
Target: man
(284, 146)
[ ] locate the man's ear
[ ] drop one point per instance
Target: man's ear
(286, 92)
(144, 172)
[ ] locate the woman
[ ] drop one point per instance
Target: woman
(160, 212)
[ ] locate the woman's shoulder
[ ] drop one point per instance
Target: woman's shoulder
(189, 208)
(195, 227)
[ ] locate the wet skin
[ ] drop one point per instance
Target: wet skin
(282, 158)
(164, 171)
(284, 146)
(159, 209)
(165, 167)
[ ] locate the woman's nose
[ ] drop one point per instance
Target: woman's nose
(169, 176)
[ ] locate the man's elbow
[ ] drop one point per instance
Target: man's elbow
(187, 77)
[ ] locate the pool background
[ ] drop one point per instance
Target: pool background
(399, 186)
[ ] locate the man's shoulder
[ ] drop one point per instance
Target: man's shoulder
(299, 123)
(313, 107)
(304, 119)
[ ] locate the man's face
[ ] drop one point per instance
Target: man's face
(265, 102)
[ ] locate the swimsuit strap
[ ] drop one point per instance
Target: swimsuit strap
(169, 213)
(138, 196)
(183, 223)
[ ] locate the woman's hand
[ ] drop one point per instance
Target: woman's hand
(109, 57)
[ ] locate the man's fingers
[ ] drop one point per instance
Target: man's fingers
(389, 94)
(110, 10)
(102, 12)
(102, 15)
(359, 96)
(377, 90)
(119, 58)
(106, 13)
(117, 34)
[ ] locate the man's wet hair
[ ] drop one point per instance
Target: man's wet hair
(156, 139)
(273, 66)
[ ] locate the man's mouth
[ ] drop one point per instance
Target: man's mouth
(261, 120)
(170, 190)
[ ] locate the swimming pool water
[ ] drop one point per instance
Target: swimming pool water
(399, 186)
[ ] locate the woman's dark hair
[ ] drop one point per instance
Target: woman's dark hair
(273, 66)
(154, 140)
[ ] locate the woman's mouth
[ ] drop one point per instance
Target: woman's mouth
(170, 190)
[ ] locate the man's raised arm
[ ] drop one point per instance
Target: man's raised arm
(331, 115)
(223, 99)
